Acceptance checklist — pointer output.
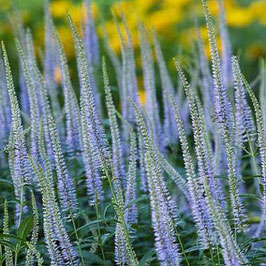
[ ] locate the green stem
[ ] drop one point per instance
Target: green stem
(122, 219)
(77, 237)
(98, 229)
(182, 248)
(21, 205)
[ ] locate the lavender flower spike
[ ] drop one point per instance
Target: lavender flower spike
(162, 208)
(65, 183)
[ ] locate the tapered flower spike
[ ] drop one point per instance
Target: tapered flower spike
(226, 46)
(131, 214)
(124, 251)
(230, 250)
(73, 121)
(8, 251)
(207, 84)
(5, 114)
(116, 142)
(32, 63)
(149, 85)
(88, 107)
(199, 132)
(169, 125)
(45, 107)
(32, 251)
(20, 166)
(162, 206)
(129, 87)
(34, 110)
(261, 131)
(65, 183)
(243, 117)
(224, 119)
(90, 37)
(51, 64)
(195, 187)
(60, 248)
(92, 51)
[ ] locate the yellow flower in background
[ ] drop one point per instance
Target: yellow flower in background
(258, 11)
(239, 17)
(60, 8)
(67, 40)
(165, 16)
(142, 97)
(57, 75)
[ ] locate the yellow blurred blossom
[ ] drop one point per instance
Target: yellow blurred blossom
(256, 51)
(57, 75)
(239, 17)
(67, 40)
(60, 8)
(142, 97)
(258, 11)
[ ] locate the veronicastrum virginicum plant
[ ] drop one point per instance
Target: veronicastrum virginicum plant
(111, 181)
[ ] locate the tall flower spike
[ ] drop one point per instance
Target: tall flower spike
(32, 63)
(207, 84)
(5, 111)
(60, 248)
(169, 125)
(42, 93)
(90, 37)
(73, 122)
(34, 110)
(20, 167)
(226, 46)
(51, 63)
(149, 85)
(116, 142)
(91, 47)
(124, 252)
(65, 185)
(8, 251)
(129, 78)
(200, 139)
(243, 117)
(230, 250)
(89, 113)
(162, 208)
(224, 119)
(131, 214)
(34, 235)
(197, 201)
(261, 131)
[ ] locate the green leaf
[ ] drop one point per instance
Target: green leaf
(249, 196)
(143, 197)
(107, 237)
(251, 177)
(147, 257)
(94, 223)
(11, 236)
(7, 244)
(6, 182)
(93, 258)
(25, 227)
